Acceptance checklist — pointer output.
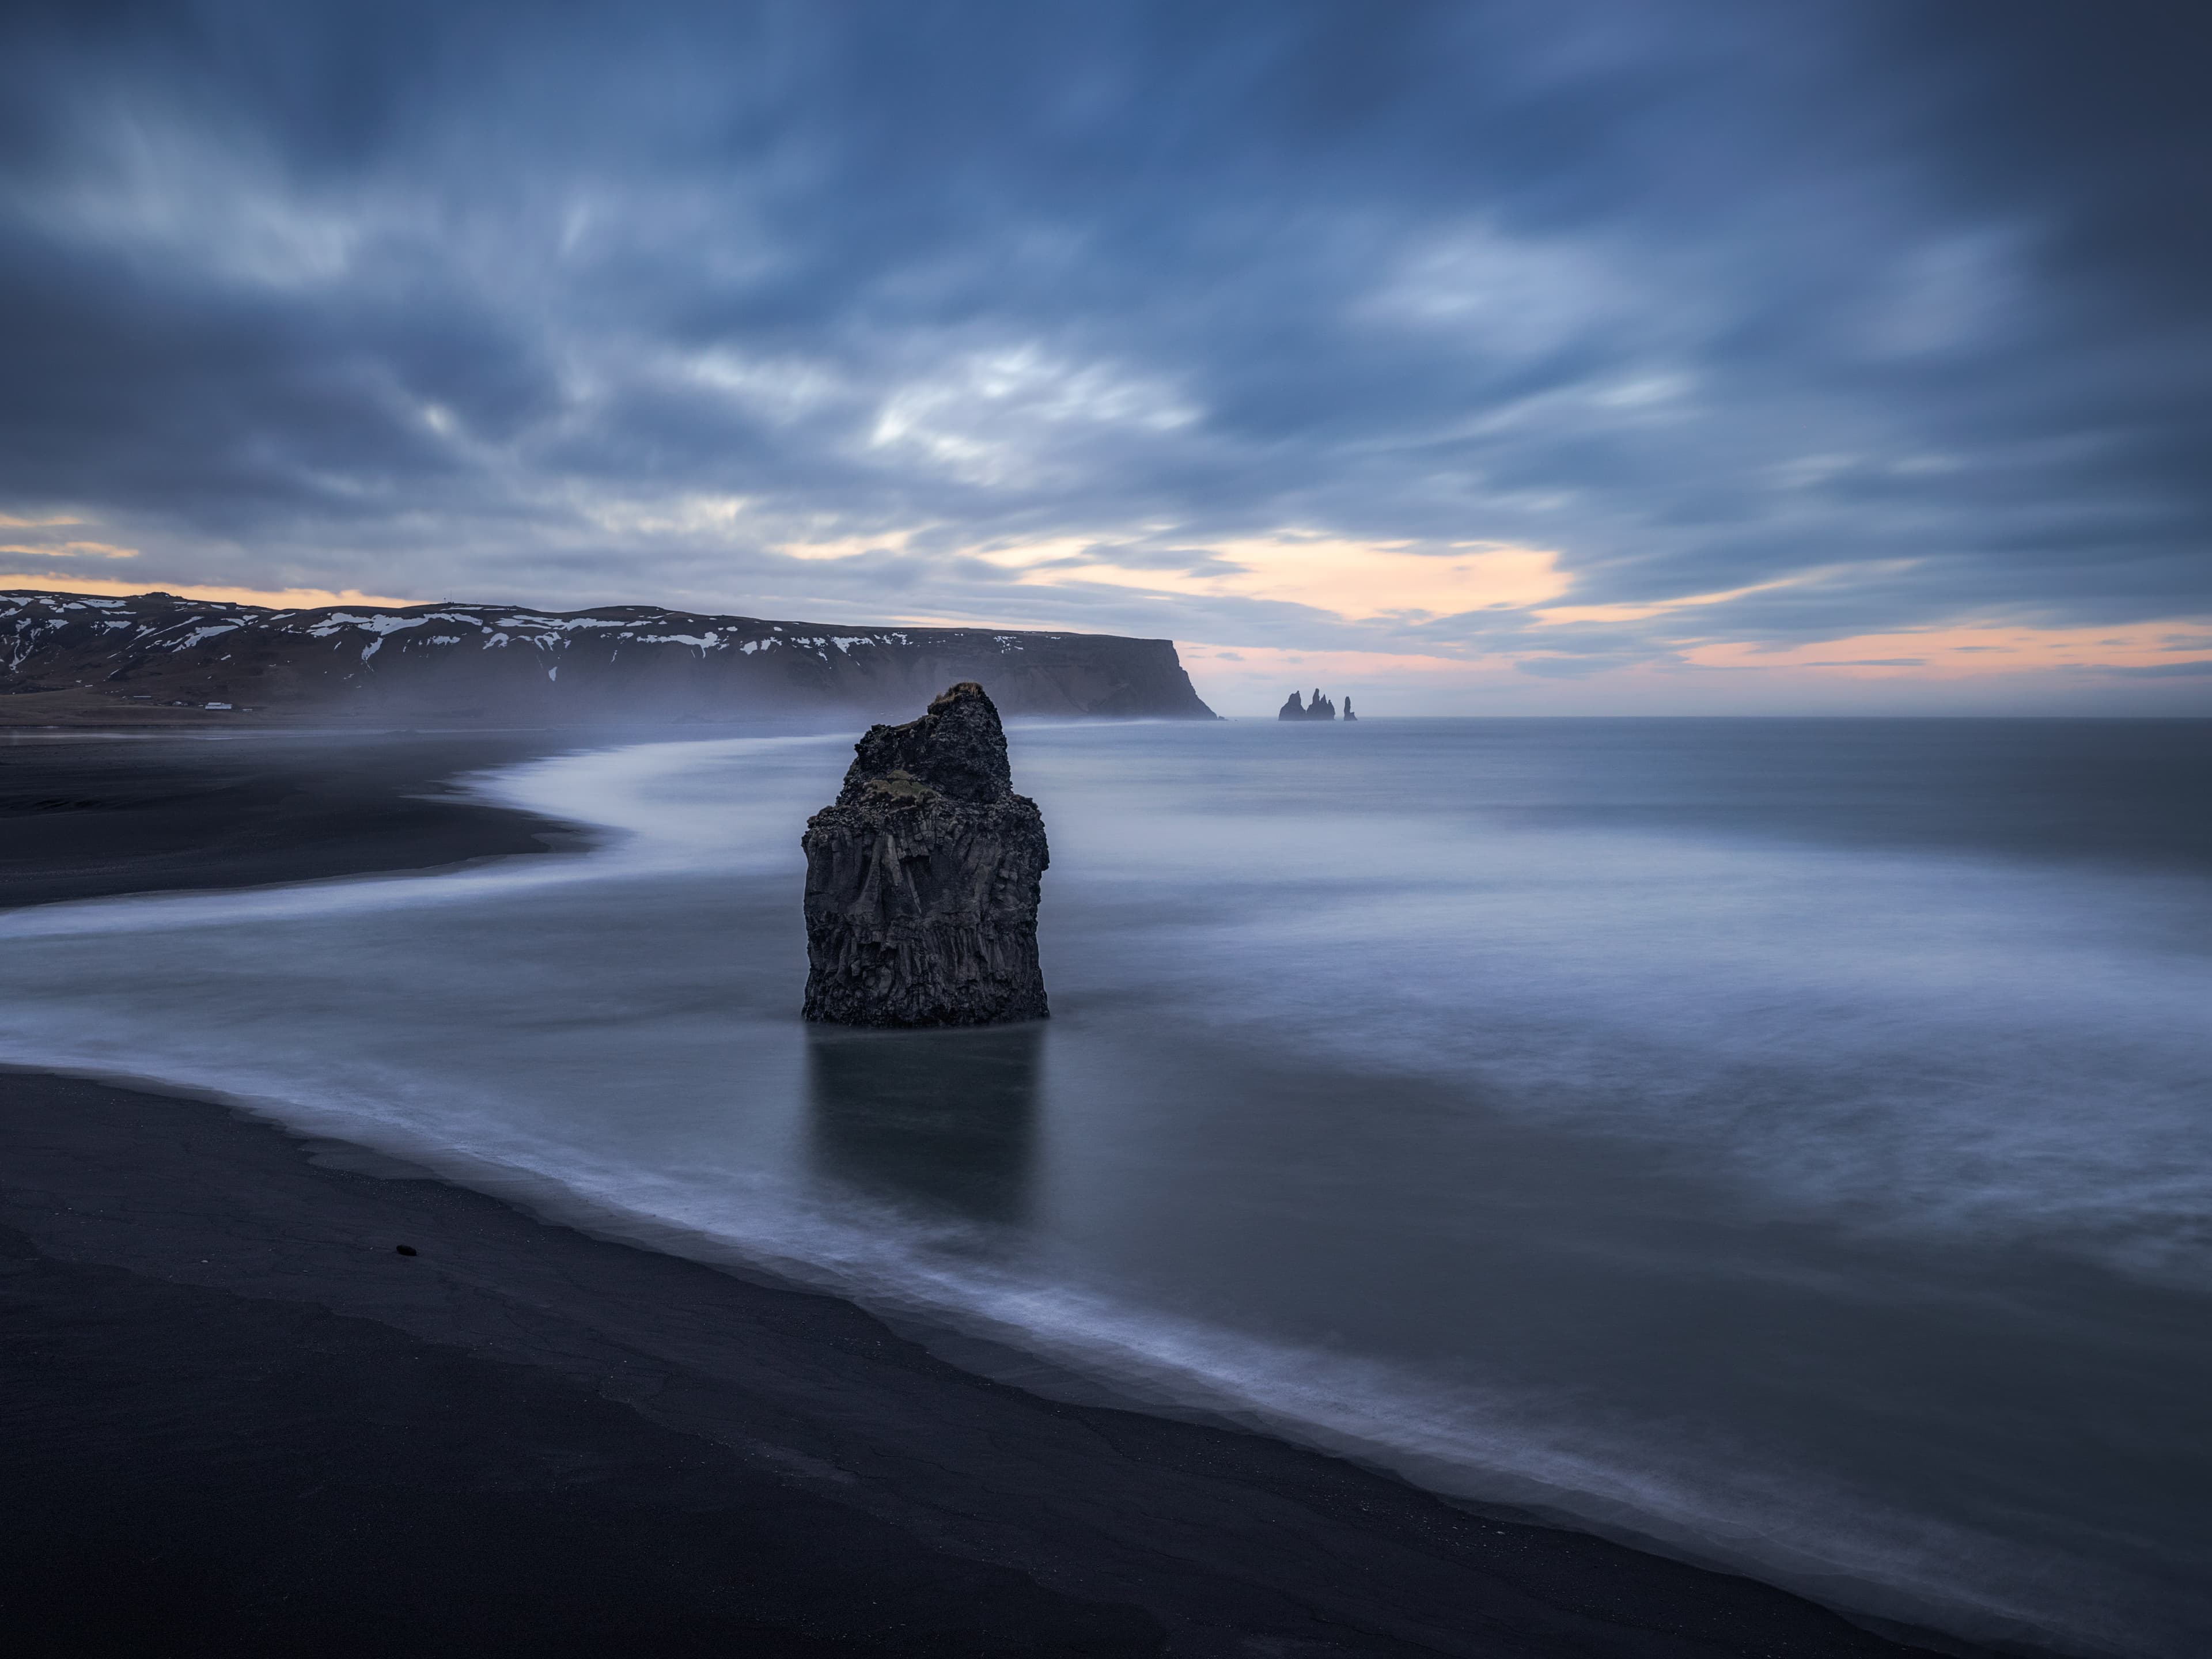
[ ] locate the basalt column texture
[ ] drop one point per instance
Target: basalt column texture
(922, 879)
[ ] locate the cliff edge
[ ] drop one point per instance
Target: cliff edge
(158, 659)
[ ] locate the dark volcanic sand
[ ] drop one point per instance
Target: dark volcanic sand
(233, 1419)
(84, 817)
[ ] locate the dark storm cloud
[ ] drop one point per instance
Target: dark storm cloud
(1905, 305)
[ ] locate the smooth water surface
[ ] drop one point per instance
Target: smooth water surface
(1789, 1142)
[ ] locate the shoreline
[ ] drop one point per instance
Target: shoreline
(96, 816)
(524, 1434)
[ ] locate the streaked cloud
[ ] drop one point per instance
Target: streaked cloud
(1567, 350)
(288, 599)
(1353, 580)
(1992, 648)
(69, 551)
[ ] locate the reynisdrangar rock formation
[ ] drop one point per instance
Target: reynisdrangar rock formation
(1321, 708)
(922, 879)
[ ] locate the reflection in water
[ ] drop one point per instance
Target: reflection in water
(941, 1121)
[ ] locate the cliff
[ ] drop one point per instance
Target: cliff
(923, 877)
(71, 659)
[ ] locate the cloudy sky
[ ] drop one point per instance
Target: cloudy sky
(1566, 356)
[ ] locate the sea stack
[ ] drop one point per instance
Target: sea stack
(922, 879)
(1321, 708)
(1348, 715)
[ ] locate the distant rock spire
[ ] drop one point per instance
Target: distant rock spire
(1348, 715)
(1321, 708)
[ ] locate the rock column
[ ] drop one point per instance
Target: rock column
(922, 879)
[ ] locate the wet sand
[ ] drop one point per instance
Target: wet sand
(234, 1417)
(82, 817)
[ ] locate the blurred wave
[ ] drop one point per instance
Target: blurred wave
(1811, 1177)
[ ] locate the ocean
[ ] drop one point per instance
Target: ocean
(1785, 1144)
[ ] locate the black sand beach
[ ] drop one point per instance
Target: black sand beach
(82, 818)
(240, 1421)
